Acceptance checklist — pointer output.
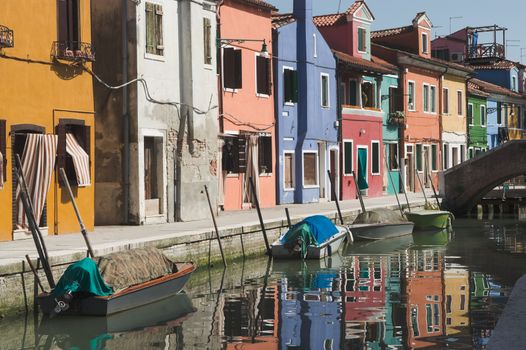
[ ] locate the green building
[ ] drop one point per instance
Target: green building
(477, 120)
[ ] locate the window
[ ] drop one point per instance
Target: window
(433, 99)
(263, 75)
(65, 147)
(411, 96)
(393, 156)
(426, 98)
(434, 158)
(353, 93)
(514, 83)
(470, 153)
(499, 113)
(291, 85)
(462, 153)
(315, 45)
(362, 39)
(288, 170)
(234, 155)
(347, 157)
(425, 43)
(446, 156)
(232, 68)
(395, 100)
(368, 95)
(375, 149)
(470, 114)
(483, 115)
(207, 38)
(445, 100)
(460, 103)
(310, 169)
(265, 154)
(324, 90)
(419, 157)
(154, 29)
(69, 23)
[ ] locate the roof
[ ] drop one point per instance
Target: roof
(339, 18)
(500, 64)
(282, 19)
(377, 65)
(476, 89)
(494, 89)
(258, 3)
(390, 32)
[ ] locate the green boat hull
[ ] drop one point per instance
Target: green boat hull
(429, 219)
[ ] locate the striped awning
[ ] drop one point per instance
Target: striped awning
(80, 160)
(1, 171)
(38, 162)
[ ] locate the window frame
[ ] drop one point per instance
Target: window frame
(425, 43)
(230, 89)
(379, 164)
(291, 102)
(207, 44)
(317, 172)
(269, 74)
(470, 120)
(425, 97)
(445, 101)
(485, 114)
(344, 141)
(460, 103)
(293, 188)
(411, 106)
(397, 158)
(325, 75)
(433, 99)
(373, 91)
(362, 38)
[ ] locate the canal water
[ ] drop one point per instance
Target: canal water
(434, 290)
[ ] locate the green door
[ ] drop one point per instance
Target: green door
(362, 169)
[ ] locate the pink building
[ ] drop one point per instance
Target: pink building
(247, 122)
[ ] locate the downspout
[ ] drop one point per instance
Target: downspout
(441, 115)
(219, 68)
(125, 114)
(339, 120)
(468, 137)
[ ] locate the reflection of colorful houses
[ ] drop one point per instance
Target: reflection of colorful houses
(311, 318)
(360, 77)
(424, 314)
(456, 303)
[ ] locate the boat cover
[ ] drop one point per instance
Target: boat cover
(82, 276)
(380, 216)
(314, 230)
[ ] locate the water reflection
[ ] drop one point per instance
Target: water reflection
(434, 290)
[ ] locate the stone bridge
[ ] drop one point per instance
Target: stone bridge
(464, 185)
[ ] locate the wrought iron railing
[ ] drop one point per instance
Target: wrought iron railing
(73, 51)
(7, 38)
(492, 50)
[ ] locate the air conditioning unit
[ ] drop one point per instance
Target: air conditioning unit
(457, 57)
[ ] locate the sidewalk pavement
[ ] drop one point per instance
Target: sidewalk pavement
(108, 237)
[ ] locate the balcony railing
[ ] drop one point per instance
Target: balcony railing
(7, 38)
(492, 50)
(73, 51)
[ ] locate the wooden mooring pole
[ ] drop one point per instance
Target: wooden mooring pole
(288, 217)
(253, 188)
(215, 225)
(333, 190)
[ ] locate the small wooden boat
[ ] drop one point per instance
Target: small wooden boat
(304, 245)
(381, 231)
(430, 219)
(126, 299)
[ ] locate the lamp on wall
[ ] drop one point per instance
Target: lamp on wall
(264, 49)
(362, 131)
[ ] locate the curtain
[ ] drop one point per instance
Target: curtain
(80, 160)
(38, 162)
(252, 170)
(1, 171)
(362, 169)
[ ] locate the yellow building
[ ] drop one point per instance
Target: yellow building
(454, 115)
(456, 301)
(45, 90)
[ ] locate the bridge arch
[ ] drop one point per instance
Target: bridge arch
(464, 185)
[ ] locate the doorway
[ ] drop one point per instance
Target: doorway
(409, 168)
(152, 175)
(333, 155)
(427, 170)
(322, 151)
(363, 185)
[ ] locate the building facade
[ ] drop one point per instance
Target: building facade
(477, 119)
(306, 109)
(44, 118)
(156, 138)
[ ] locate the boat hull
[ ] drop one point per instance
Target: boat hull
(431, 237)
(328, 248)
(381, 231)
(429, 219)
(129, 298)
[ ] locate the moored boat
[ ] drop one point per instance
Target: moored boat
(118, 282)
(313, 238)
(429, 219)
(380, 224)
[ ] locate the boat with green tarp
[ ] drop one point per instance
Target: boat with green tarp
(314, 237)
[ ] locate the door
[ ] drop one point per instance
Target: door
(152, 182)
(362, 169)
(409, 169)
(334, 174)
(427, 171)
(322, 151)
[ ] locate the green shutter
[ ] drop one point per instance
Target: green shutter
(347, 151)
(361, 39)
(287, 80)
(376, 157)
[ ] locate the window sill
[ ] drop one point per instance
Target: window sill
(375, 174)
(154, 57)
(233, 91)
(232, 175)
(208, 66)
(291, 104)
(289, 190)
(265, 175)
(326, 107)
(311, 186)
(262, 95)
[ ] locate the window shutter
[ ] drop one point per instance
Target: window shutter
(242, 159)
(295, 86)
(228, 68)
(399, 99)
(269, 76)
(62, 12)
(261, 75)
(287, 77)
(61, 149)
(159, 29)
(150, 28)
(347, 150)
(87, 142)
(207, 37)
(265, 153)
(376, 158)
(238, 66)
(3, 143)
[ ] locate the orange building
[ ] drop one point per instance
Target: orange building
(46, 113)
(247, 122)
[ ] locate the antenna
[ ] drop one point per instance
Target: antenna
(451, 20)
(436, 27)
(339, 5)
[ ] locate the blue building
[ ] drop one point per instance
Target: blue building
(306, 108)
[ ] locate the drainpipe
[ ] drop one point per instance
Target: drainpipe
(441, 115)
(468, 137)
(219, 67)
(125, 114)
(339, 120)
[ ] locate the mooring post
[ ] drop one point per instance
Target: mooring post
(333, 188)
(215, 225)
(288, 217)
(259, 214)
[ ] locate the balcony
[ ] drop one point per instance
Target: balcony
(7, 38)
(73, 51)
(491, 50)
